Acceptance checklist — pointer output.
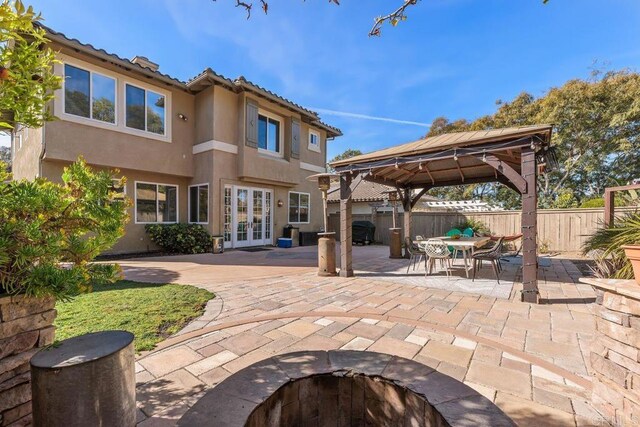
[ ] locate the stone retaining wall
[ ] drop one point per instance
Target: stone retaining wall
(615, 356)
(25, 327)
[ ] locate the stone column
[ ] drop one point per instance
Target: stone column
(529, 228)
(327, 254)
(615, 351)
(346, 262)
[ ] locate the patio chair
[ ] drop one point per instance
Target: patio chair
(436, 249)
(492, 255)
(468, 232)
(415, 253)
(419, 237)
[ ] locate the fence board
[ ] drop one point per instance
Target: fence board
(563, 230)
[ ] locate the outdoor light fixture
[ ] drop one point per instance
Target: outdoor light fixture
(182, 117)
(420, 166)
(280, 203)
(455, 155)
(392, 196)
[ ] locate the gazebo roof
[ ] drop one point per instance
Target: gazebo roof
(449, 159)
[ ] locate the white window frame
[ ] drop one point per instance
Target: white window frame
(135, 203)
(91, 72)
(280, 120)
(121, 80)
(314, 147)
(289, 207)
(198, 201)
(124, 187)
(145, 89)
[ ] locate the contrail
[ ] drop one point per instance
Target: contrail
(366, 117)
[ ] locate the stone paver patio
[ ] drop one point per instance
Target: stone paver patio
(531, 360)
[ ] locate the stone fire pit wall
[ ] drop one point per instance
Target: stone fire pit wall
(615, 356)
(342, 388)
(25, 327)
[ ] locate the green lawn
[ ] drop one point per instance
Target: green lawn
(151, 312)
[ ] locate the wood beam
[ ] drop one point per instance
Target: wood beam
(417, 197)
(609, 206)
(346, 238)
(529, 228)
(426, 169)
(504, 181)
(459, 169)
(406, 217)
(505, 170)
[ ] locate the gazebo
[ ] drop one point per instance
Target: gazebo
(511, 156)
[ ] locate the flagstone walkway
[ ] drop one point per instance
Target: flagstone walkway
(531, 360)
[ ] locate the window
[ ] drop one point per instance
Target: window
(298, 207)
(144, 109)
(199, 204)
(227, 214)
(90, 95)
(314, 141)
(156, 203)
(269, 133)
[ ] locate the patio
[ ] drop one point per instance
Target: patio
(531, 360)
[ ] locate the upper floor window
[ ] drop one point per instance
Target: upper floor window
(89, 94)
(269, 133)
(156, 203)
(145, 109)
(314, 141)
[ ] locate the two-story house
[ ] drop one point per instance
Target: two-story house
(227, 154)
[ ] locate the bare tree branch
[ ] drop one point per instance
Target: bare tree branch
(393, 18)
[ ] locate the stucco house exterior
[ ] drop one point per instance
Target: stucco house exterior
(227, 154)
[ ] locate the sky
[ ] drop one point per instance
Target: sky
(451, 58)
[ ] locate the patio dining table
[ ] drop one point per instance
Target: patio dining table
(464, 244)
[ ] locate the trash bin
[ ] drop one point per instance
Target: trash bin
(293, 233)
(363, 232)
(218, 244)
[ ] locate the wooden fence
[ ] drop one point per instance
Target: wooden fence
(563, 230)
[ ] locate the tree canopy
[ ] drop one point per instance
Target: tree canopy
(349, 152)
(27, 80)
(596, 137)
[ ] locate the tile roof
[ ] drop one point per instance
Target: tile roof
(237, 85)
(366, 191)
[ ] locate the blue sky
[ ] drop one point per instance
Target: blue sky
(451, 57)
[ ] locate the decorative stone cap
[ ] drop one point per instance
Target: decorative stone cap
(233, 401)
(82, 349)
(628, 288)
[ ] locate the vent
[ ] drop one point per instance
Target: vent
(143, 61)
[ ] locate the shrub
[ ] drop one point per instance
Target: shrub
(180, 238)
(50, 233)
(477, 226)
(607, 244)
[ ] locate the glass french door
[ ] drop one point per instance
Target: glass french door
(252, 219)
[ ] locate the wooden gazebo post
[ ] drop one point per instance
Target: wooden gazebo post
(346, 260)
(529, 227)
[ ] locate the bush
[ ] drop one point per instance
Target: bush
(50, 233)
(180, 238)
(606, 244)
(477, 226)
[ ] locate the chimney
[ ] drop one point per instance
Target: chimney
(143, 61)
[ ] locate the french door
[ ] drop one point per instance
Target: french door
(252, 216)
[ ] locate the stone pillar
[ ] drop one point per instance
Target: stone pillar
(88, 380)
(406, 218)
(25, 327)
(346, 242)
(327, 254)
(615, 351)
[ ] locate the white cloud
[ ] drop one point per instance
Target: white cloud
(368, 117)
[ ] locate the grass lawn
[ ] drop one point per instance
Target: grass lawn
(151, 312)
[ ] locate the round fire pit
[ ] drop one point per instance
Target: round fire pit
(342, 388)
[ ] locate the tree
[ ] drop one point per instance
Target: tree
(5, 157)
(349, 152)
(27, 81)
(596, 137)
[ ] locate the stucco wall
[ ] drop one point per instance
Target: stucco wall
(25, 163)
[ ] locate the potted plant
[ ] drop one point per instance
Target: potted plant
(618, 248)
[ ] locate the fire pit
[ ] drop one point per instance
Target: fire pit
(342, 388)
